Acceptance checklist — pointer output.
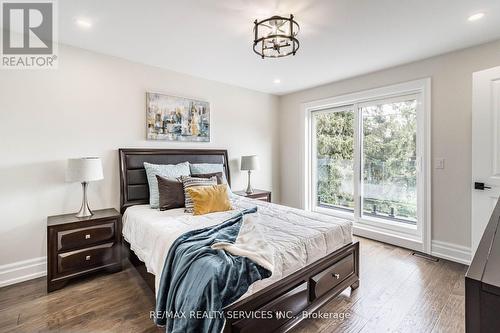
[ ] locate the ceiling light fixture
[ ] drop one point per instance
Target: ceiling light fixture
(277, 81)
(84, 23)
(276, 37)
(476, 17)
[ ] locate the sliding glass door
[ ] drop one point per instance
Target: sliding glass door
(388, 160)
(333, 144)
(366, 162)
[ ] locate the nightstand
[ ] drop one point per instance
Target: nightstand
(256, 194)
(81, 246)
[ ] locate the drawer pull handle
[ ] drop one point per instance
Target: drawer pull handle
(87, 258)
(87, 236)
(336, 275)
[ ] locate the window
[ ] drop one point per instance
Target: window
(389, 153)
(334, 160)
(368, 161)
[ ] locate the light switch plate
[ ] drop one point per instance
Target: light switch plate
(439, 163)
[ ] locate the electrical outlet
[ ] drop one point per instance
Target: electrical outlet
(439, 163)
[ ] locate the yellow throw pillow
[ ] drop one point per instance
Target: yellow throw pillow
(209, 199)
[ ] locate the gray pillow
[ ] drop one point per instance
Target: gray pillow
(205, 168)
(171, 171)
(219, 175)
(188, 182)
(171, 193)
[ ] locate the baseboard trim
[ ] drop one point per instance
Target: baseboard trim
(389, 238)
(22, 271)
(440, 249)
(452, 252)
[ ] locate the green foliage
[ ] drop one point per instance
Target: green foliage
(335, 135)
(335, 145)
(389, 154)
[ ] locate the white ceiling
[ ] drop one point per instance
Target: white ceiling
(339, 38)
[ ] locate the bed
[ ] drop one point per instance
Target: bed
(315, 257)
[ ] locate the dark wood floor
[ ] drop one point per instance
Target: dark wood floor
(398, 293)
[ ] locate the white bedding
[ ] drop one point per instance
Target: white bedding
(297, 237)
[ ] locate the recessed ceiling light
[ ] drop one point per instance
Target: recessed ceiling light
(84, 23)
(476, 17)
(277, 81)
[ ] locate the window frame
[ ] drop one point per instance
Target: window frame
(417, 238)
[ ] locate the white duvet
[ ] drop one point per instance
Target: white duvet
(291, 238)
(250, 242)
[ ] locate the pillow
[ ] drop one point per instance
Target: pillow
(171, 171)
(205, 168)
(171, 193)
(218, 175)
(209, 199)
(188, 182)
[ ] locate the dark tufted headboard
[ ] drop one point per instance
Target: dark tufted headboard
(134, 189)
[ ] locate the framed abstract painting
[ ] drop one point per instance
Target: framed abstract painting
(173, 118)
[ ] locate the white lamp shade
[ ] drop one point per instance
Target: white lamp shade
(84, 169)
(250, 162)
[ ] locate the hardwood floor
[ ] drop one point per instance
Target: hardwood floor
(398, 293)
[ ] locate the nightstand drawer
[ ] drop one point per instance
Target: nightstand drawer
(260, 195)
(77, 238)
(87, 258)
(261, 198)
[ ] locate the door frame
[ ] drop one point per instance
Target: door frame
(420, 242)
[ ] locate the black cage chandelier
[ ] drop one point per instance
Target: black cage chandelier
(276, 37)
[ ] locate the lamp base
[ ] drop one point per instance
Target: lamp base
(249, 189)
(84, 212)
(84, 209)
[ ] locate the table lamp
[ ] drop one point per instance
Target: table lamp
(84, 170)
(249, 163)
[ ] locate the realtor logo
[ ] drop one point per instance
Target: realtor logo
(28, 34)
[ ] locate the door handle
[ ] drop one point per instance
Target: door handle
(480, 186)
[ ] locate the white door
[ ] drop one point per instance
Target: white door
(485, 149)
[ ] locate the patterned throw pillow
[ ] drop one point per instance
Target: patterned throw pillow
(188, 182)
(219, 175)
(171, 171)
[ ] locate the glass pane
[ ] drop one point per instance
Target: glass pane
(389, 171)
(334, 158)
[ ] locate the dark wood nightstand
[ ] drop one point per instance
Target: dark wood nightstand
(261, 195)
(81, 246)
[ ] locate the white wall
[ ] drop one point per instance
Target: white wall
(91, 106)
(451, 133)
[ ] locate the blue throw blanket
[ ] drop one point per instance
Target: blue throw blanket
(197, 281)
